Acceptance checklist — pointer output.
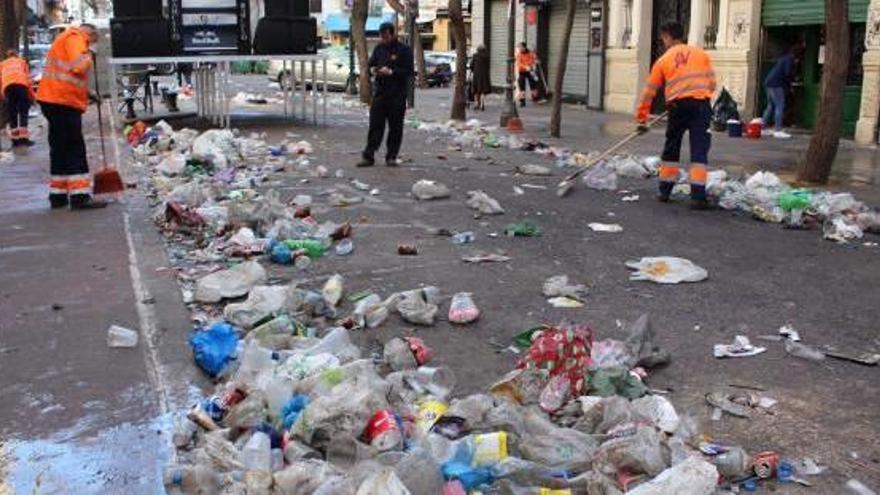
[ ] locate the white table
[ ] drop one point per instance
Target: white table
(212, 76)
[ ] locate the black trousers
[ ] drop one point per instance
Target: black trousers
(18, 104)
(67, 153)
(390, 110)
(691, 116)
(527, 77)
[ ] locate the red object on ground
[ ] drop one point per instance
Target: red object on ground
(753, 130)
(421, 351)
(562, 351)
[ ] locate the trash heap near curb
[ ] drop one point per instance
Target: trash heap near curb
(297, 408)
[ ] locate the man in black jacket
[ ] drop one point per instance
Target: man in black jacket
(391, 66)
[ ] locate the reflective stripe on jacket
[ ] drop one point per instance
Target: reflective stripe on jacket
(14, 70)
(66, 73)
(687, 73)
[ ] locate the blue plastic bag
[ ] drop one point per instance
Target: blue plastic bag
(470, 477)
(293, 408)
(213, 348)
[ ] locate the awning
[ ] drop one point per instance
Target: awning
(339, 23)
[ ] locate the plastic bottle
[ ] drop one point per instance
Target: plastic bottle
(462, 309)
(463, 238)
(184, 429)
(256, 453)
(254, 360)
(345, 247)
(315, 249)
(192, 480)
(733, 464)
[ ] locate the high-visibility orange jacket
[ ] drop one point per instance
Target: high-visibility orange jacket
(525, 61)
(687, 73)
(66, 74)
(14, 70)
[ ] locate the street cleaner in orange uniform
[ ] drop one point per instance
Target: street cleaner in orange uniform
(686, 71)
(64, 96)
(16, 88)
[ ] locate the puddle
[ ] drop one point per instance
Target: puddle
(127, 458)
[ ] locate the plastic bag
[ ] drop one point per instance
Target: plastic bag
(724, 109)
(213, 348)
(532, 169)
(383, 482)
(629, 166)
(559, 286)
(602, 177)
(332, 290)
(482, 202)
(230, 283)
(172, 165)
(694, 476)
(370, 311)
(415, 308)
(616, 381)
(462, 309)
(419, 471)
(659, 410)
(555, 447)
(190, 194)
(841, 229)
(429, 189)
(632, 447)
(303, 477)
(666, 270)
(262, 302)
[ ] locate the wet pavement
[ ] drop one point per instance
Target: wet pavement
(82, 418)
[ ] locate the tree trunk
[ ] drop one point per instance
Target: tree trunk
(358, 33)
(559, 77)
(419, 54)
(816, 167)
(459, 95)
(12, 13)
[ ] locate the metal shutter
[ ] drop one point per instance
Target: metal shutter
(498, 42)
(804, 12)
(575, 83)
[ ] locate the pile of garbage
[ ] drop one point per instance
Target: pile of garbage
(841, 217)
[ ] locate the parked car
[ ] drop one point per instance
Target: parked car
(337, 70)
(437, 58)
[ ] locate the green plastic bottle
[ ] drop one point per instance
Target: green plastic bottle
(314, 249)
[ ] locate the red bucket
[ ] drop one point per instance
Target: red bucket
(753, 130)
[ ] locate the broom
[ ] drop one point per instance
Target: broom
(107, 180)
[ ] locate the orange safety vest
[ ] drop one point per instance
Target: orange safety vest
(525, 61)
(687, 73)
(14, 70)
(66, 74)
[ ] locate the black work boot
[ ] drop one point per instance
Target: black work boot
(698, 197)
(86, 202)
(391, 161)
(665, 191)
(58, 201)
(366, 161)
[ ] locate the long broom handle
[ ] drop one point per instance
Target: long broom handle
(99, 104)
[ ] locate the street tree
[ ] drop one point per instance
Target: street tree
(459, 95)
(358, 32)
(561, 62)
(418, 50)
(816, 166)
(12, 15)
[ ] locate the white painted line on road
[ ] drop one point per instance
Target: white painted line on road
(147, 319)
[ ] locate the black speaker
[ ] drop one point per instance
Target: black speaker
(286, 36)
(287, 8)
(137, 8)
(140, 37)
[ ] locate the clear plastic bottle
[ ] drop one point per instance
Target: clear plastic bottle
(192, 480)
(345, 247)
(463, 238)
(256, 454)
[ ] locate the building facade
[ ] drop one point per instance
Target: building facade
(744, 38)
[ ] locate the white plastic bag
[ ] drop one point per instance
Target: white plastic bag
(383, 482)
(602, 177)
(332, 290)
(482, 202)
(666, 270)
(693, 476)
(463, 310)
(429, 189)
(233, 282)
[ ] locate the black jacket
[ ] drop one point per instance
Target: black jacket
(399, 58)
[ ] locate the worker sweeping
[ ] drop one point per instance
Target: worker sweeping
(16, 89)
(64, 96)
(687, 73)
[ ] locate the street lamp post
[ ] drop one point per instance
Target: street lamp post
(509, 110)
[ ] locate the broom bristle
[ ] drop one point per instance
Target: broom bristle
(108, 181)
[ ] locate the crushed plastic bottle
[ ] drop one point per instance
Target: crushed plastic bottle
(345, 247)
(121, 337)
(192, 479)
(256, 453)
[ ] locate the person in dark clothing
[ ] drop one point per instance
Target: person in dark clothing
(777, 83)
(391, 66)
(480, 81)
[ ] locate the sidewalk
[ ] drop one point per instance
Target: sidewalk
(77, 416)
(857, 169)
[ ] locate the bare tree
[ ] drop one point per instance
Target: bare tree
(418, 51)
(561, 62)
(816, 166)
(459, 95)
(358, 33)
(12, 15)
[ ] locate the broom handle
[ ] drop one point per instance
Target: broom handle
(99, 104)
